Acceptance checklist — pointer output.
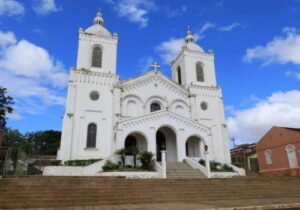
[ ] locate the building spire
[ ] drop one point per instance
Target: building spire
(99, 19)
(189, 36)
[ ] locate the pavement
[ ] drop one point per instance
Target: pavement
(243, 204)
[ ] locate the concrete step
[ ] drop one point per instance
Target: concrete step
(182, 170)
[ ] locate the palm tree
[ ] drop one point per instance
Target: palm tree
(134, 151)
(122, 153)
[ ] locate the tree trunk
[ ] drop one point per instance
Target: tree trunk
(1, 137)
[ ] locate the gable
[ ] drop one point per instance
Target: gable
(278, 136)
(154, 78)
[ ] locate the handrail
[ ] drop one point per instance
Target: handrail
(195, 165)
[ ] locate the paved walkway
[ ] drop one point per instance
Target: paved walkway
(246, 204)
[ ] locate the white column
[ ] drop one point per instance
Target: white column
(207, 164)
(193, 107)
(152, 140)
(117, 100)
(164, 164)
(180, 141)
(119, 139)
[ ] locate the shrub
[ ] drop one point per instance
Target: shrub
(80, 162)
(55, 162)
(147, 160)
(110, 166)
(237, 164)
(215, 166)
(227, 168)
(202, 162)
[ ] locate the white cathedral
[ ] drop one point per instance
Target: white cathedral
(183, 115)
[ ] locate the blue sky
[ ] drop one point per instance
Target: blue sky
(256, 45)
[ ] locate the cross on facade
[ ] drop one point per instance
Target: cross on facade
(155, 66)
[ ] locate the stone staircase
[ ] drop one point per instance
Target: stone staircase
(182, 170)
(62, 192)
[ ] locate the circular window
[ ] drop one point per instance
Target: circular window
(94, 95)
(204, 106)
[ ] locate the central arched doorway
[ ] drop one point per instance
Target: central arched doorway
(166, 140)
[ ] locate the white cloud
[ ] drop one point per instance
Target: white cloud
(206, 27)
(27, 59)
(144, 63)
(229, 27)
(11, 8)
(280, 109)
(31, 76)
(174, 12)
(7, 38)
(284, 49)
(168, 50)
(44, 7)
(293, 74)
(135, 10)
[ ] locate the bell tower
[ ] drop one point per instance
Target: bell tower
(192, 65)
(97, 49)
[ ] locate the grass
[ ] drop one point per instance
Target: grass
(129, 170)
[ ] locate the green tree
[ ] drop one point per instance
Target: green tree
(44, 142)
(6, 103)
(5, 108)
(17, 142)
(15, 139)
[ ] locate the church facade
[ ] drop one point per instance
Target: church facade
(183, 115)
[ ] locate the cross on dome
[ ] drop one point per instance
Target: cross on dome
(189, 36)
(155, 66)
(99, 19)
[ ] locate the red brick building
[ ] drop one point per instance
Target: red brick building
(278, 152)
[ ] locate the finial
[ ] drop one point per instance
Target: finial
(188, 28)
(99, 10)
(155, 66)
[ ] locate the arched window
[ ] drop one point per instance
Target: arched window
(199, 72)
(292, 156)
(179, 75)
(97, 57)
(91, 135)
(268, 154)
(155, 107)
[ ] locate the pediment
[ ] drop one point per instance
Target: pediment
(155, 78)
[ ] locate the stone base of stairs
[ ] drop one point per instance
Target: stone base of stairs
(248, 204)
(182, 170)
(118, 193)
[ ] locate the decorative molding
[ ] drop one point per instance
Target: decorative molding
(206, 91)
(91, 77)
(154, 116)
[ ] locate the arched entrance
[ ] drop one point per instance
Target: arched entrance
(136, 139)
(195, 147)
(166, 140)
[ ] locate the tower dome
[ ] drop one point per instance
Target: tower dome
(190, 43)
(98, 27)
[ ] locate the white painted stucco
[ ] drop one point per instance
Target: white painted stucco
(123, 107)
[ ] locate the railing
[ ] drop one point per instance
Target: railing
(196, 165)
(14, 161)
